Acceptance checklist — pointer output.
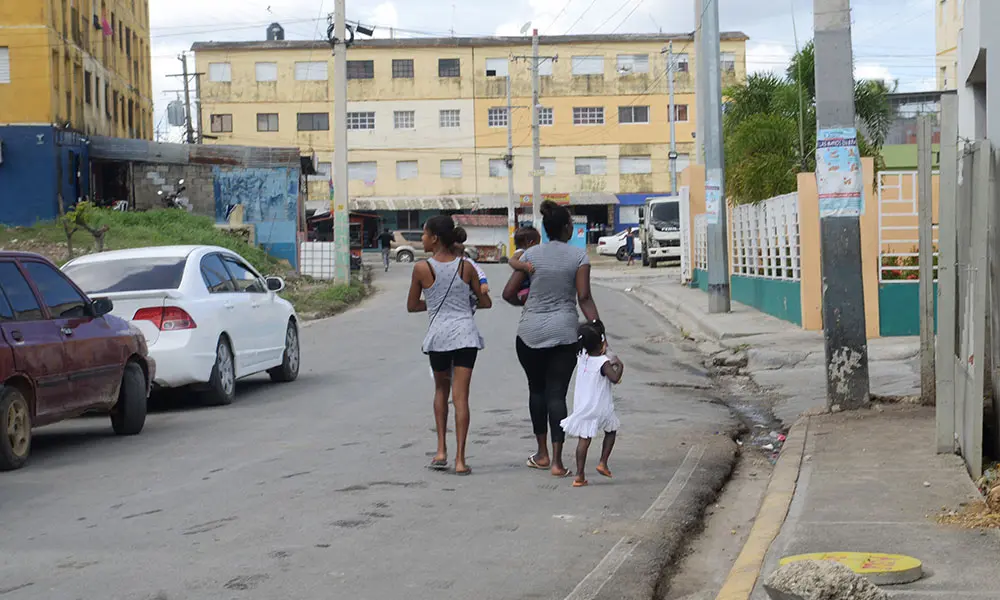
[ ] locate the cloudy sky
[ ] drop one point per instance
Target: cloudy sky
(893, 39)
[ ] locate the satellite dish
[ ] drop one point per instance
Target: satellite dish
(525, 28)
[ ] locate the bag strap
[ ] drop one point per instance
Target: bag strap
(444, 298)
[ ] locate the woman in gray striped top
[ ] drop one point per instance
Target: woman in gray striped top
(547, 334)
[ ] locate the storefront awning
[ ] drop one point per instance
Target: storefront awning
(460, 202)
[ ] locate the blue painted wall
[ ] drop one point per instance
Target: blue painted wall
(30, 172)
(269, 197)
(631, 200)
(776, 297)
(899, 308)
(579, 238)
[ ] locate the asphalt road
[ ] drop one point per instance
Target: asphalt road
(318, 489)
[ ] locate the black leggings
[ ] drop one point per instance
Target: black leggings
(549, 371)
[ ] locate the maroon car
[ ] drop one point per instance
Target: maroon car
(61, 355)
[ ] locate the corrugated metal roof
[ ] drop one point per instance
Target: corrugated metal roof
(466, 202)
(121, 149)
(463, 42)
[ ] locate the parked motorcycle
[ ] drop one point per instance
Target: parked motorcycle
(171, 200)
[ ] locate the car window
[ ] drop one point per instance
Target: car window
(128, 275)
(215, 275)
(61, 298)
(6, 312)
(246, 279)
(18, 293)
(412, 236)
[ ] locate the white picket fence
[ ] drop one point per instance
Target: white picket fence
(316, 259)
(766, 239)
(701, 242)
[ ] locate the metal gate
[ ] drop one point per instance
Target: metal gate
(685, 218)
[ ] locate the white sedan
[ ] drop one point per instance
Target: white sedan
(614, 245)
(209, 318)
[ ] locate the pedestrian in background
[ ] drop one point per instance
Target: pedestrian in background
(385, 241)
(630, 246)
(547, 334)
(453, 341)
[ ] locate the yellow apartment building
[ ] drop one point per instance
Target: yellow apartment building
(948, 22)
(427, 118)
(79, 64)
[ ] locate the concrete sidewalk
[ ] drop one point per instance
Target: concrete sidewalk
(781, 356)
(870, 482)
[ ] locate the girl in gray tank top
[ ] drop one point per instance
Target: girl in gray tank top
(452, 341)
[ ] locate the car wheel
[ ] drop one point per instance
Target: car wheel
(289, 369)
(129, 413)
(404, 256)
(621, 255)
(222, 385)
(15, 429)
(653, 263)
(645, 259)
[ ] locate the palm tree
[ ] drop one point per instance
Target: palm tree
(761, 128)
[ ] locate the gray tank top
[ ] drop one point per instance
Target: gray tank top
(452, 325)
(550, 317)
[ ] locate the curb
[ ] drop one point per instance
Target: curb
(678, 314)
(770, 517)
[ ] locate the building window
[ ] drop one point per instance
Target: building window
(497, 117)
(360, 120)
(313, 121)
(128, 42)
(548, 165)
(588, 65)
(449, 67)
(451, 169)
(220, 72)
(267, 121)
(402, 68)
(131, 114)
(498, 167)
(97, 92)
(545, 67)
(4, 64)
(409, 219)
(590, 165)
(635, 165)
(404, 119)
(545, 116)
(588, 115)
(450, 118)
(107, 98)
(681, 62)
(406, 169)
(630, 64)
(222, 123)
(266, 71)
(311, 71)
(633, 114)
(497, 67)
(362, 171)
(361, 69)
(88, 91)
(680, 112)
(728, 62)
(115, 116)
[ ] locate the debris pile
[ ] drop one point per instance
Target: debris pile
(820, 580)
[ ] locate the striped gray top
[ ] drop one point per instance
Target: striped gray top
(549, 318)
(453, 325)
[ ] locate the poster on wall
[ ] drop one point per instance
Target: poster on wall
(838, 173)
(713, 196)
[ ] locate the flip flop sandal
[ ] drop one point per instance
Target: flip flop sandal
(583, 483)
(534, 465)
(463, 473)
(568, 473)
(606, 472)
(438, 465)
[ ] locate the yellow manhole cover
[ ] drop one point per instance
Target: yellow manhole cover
(880, 569)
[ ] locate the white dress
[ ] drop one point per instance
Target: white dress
(593, 403)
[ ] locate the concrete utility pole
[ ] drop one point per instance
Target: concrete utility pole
(672, 117)
(926, 249)
(341, 216)
(536, 139)
(189, 123)
(715, 192)
(197, 103)
(509, 162)
(700, 75)
(840, 183)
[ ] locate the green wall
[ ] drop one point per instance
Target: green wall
(776, 297)
(699, 279)
(899, 308)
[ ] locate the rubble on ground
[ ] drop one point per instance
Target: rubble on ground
(820, 580)
(975, 515)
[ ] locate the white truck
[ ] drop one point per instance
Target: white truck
(660, 231)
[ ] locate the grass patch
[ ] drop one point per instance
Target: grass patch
(169, 227)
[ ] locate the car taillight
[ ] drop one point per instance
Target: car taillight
(602, 243)
(166, 318)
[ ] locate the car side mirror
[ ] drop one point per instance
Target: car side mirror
(275, 284)
(101, 306)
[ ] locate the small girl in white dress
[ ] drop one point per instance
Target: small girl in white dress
(593, 403)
